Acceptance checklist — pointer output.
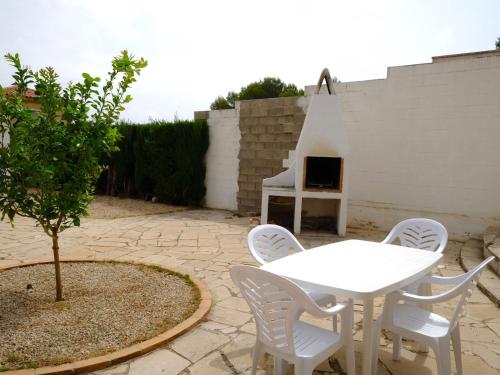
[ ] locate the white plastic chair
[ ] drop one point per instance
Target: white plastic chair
(419, 233)
(270, 242)
(424, 234)
(276, 304)
(426, 327)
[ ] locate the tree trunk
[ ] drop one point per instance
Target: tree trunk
(109, 179)
(55, 249)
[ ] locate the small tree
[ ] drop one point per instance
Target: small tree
(49, 167)
(497, 43)
(268, 87)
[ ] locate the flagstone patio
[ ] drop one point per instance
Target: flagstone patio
(207, 243)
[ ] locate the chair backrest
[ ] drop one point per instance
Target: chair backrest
(465, 288)
(269, 242)
(419, 233)
(275, 303)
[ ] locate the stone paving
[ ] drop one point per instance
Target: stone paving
(207, 243)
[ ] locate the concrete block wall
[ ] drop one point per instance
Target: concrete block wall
(269, 129)
(222, 161)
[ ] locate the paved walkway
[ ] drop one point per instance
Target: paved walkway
(207, 243)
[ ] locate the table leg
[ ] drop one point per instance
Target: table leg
(368, 346)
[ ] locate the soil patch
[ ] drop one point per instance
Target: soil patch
(108, 306)
(106, 207)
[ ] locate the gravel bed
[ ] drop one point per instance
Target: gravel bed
(107, 306)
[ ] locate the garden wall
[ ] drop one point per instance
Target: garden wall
(222, 160)
(424, 142)
(269, 129)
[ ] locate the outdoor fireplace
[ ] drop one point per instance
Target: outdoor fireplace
(323, 173)
(318, 167)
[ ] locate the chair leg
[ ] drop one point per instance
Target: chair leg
(377, 328)
(396, 346)
(457, 349)
(347, 337)
(280, 366)
(443, 356)
(349, 354)
(335, 320)
(257, 353)
(303, 368)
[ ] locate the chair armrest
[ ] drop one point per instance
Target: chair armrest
(320, 312)
(452, 293)
(462, 282)
(442, 280)
(389, 239)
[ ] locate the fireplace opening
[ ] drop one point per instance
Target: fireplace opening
(320, 214)
(324, 173)
(281, 211)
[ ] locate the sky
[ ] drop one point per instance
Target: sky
(198, 50)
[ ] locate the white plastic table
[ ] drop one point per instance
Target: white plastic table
(359, 270)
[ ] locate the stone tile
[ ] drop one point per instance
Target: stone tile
(409, 364)
(188, 255)
(229, 316)
(482, 312)
(476, 365)
(239, 351)
(495, 327)
(487, 353)
(478, 297)
(117, 370)
(220, 293)
(259, 372)
(478, 334)
(188, 235)
(213, 364)
(198, 343)
(249, 328)
(210, 242)
(4, 263)
(340, 358)
(188, 243)
(218, 268)
(235, 303)
(229, 330)
(214, 326)
(160, 362)
(162, 243)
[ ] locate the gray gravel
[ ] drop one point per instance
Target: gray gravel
(107, 306)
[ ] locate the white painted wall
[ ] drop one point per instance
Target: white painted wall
(426, 142)
(222, 159)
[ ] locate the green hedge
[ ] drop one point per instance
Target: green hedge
(160, 159)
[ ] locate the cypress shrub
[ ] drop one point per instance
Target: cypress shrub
(161, 159)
